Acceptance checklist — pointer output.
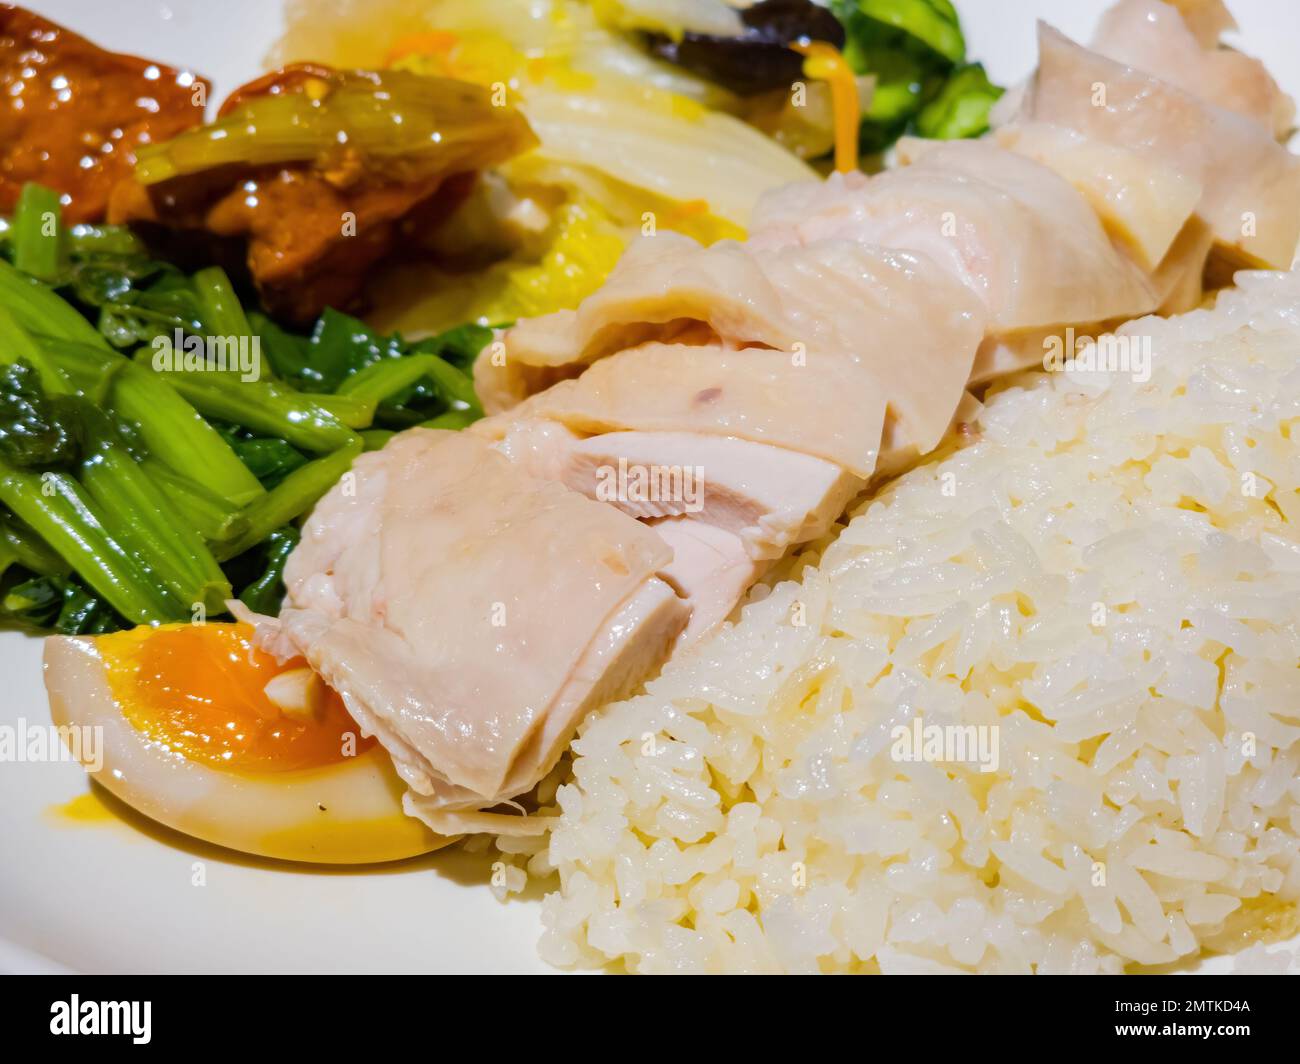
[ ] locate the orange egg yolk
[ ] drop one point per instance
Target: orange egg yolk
(200, 690)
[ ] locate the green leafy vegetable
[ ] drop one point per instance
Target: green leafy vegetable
(36, 431)
(144, 519)
(212, 517)
(56, 507)
(292, 497)
(346, 358)
(260, 405)
(267, 458)
(60, 604)
(140, 475)
(21, 546)
(171, 428)
(222, 313)
(266, 592)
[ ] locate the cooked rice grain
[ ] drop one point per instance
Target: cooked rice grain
(1109, 577)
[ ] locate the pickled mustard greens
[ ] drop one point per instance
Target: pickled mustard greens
(406, 126)
(141, 481)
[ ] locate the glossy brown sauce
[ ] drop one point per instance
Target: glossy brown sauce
(72, 113)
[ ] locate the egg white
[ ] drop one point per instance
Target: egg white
(345, 813)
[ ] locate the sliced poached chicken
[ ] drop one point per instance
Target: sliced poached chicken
(1157, 38)
(711, 570)
(875, 327)
(835, 336)
(1142, 204)
(769, 497)
(426, 590)
(1009, 229)
(662, 285)
(1251, 184)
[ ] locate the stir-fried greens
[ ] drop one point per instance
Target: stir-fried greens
(157, 442)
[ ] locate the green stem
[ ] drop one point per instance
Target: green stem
(39, 309)
(211, 516)
(222, 313)
(354, 411)
(38, 232)
(452, 419)
(30, 551)
(376, 439)
(54, 506)
(290, 499)
(387, 377)
(143, 520)
(17, 343)
(263, 407)
(172, 430)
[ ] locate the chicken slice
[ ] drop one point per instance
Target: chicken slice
(1155, 37)
(629, 648)
(425, 591)
(895, 313)
(829, 409)
(1011, 352)
(1142, 204)
(769, 497)
(891, 312)
(1251, 198)
(1010, 229)
(661, 284)
(711, 570)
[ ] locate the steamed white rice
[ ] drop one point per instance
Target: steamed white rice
(1106, 586)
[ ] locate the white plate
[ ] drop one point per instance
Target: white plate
(119, 895)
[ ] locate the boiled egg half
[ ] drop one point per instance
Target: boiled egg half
(203, 732)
